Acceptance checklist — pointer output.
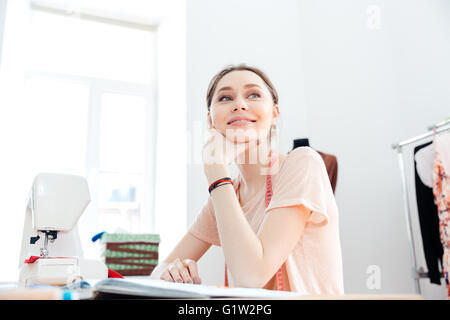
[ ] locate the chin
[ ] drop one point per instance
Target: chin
(242, 139)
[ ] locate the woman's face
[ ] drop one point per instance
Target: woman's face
(242, 108)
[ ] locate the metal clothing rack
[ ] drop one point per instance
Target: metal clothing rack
(417, 272)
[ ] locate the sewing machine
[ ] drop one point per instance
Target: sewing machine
(51, 249)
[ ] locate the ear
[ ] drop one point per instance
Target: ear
(275, 114)
(210, 124)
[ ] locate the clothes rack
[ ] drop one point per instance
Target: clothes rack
(417, 272)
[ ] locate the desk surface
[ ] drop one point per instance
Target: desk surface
(48, 293)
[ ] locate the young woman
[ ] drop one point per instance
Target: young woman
(277, 222)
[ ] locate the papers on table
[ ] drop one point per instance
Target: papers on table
(148, 288)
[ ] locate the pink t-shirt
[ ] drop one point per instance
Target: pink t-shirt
(315, 264)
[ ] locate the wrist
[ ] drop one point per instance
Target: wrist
(219, 183)
(215, 172)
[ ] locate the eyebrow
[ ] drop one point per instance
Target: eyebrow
(246, 86)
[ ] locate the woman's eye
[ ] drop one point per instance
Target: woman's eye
(224, 97)
(228, 98)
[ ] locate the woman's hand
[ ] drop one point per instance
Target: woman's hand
(182, 271)
(218, 153)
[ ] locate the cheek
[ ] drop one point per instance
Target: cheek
(218, 119)
(264, 114)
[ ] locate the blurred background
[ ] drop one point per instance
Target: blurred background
(115, 91)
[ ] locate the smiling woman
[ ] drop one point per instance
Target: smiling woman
(278, 228)
(254, 95)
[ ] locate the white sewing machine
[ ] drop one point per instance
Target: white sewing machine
(50, 233)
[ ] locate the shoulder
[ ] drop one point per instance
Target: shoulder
(302, 163)
(302, 156)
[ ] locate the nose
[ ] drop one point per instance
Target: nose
(240, 104)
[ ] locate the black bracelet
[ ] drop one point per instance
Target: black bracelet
(219, 183)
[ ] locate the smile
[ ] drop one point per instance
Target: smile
(241, 122)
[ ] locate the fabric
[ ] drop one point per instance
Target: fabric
(329, 159)
(332, 168)
(114, 274)
(428, 220)
(31, 259)
(424, 159)
(441, 190)
(315, 264)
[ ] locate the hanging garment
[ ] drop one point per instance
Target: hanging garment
(428, 219)
(330, 161)
(424, 164)
(441, 190)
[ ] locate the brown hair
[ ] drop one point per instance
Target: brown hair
(213, 84)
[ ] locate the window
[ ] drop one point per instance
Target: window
(70, 45)
(90, 88)
(56, 115)
(121, 161)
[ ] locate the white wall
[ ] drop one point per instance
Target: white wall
(3, 4)
(354, 89)
(366, 89)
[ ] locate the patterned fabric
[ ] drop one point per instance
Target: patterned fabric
(441, 191)
(133, 237)
(130, 254)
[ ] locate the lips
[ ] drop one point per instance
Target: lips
(240, 121)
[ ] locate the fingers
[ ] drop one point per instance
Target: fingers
(182, 272)
(174, 272)
(166, 276)
(193, 271)
(214, 132)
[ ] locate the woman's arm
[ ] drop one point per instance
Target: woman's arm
(181, 262)
(254, 259)
(189, 247)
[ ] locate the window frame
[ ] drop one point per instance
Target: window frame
(97, 87)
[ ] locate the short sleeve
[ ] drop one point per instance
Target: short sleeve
(303, 180)
(204, 226)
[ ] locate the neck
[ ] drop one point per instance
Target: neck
(253, 165)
